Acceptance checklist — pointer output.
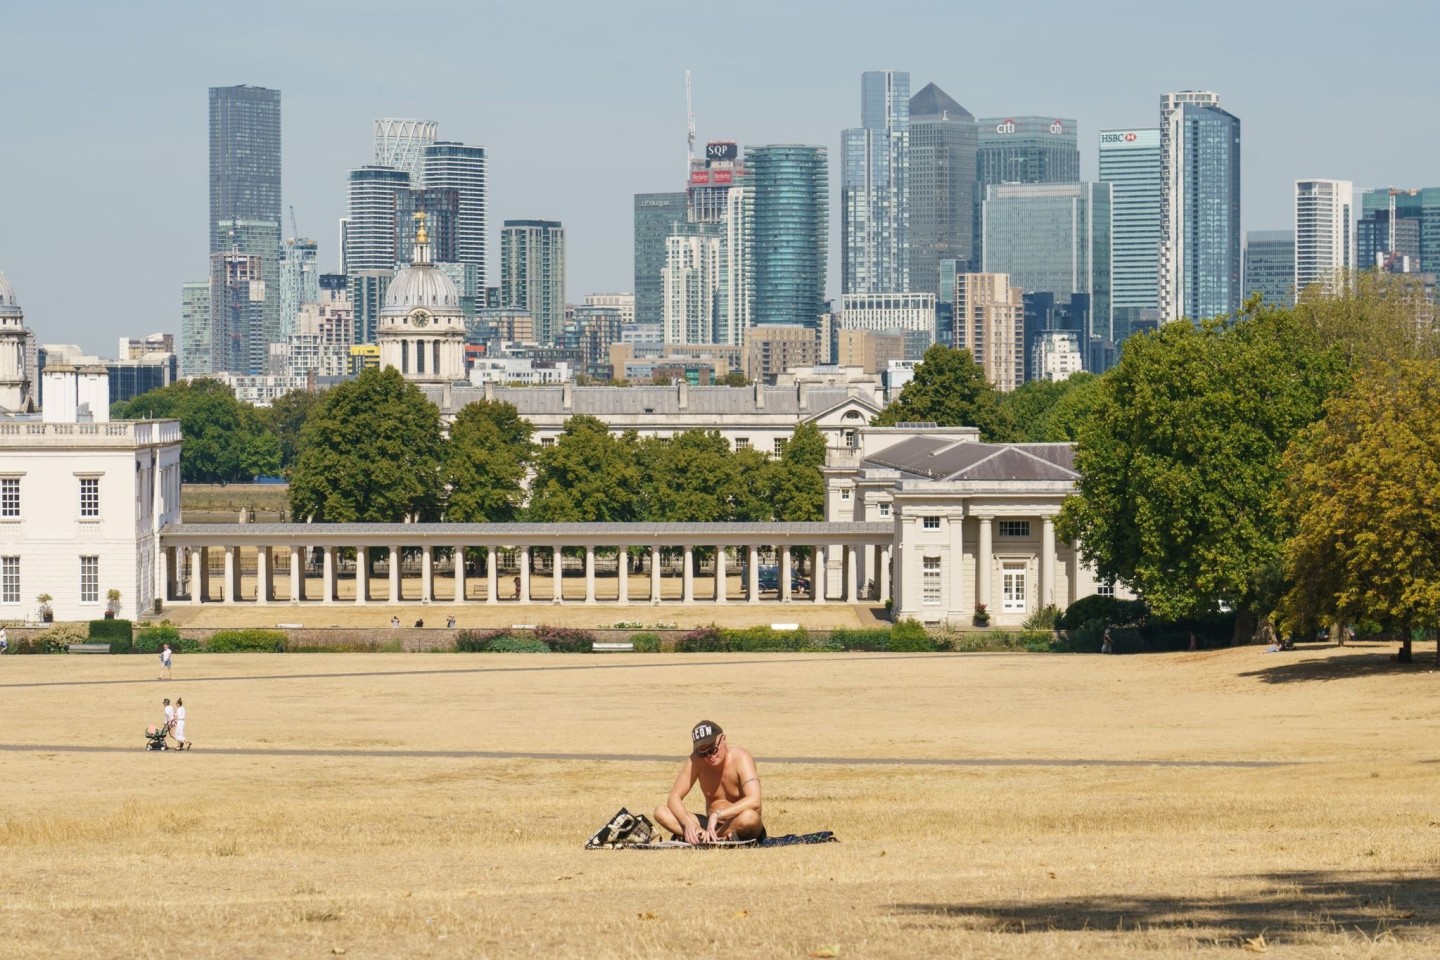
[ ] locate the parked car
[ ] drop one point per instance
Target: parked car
(769, 577)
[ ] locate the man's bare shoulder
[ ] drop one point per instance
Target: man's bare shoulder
(741, 755)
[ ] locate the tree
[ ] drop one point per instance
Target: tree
(950, 390)
(1181, 487)
(1377, 317)
(224, 439)
(1364, 487)
(1049, 411)
(370, 453)
(587, 476)
(285, 419)
(794, 486)
(692, 477)
(485, 463)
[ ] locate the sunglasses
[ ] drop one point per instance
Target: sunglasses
(708, 751)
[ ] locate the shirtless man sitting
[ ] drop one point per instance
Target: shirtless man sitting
(731, 787)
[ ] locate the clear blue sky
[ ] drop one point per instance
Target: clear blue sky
(103, 155)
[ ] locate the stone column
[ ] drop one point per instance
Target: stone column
(394, 574)
(557, 564)
(818, 575)
(1072, 591)
(524, 574)
(427, 573)
(655, 574)
(232, 576)
(362, 574)
(982, 566)
(327, 563)
(199, 573)
(1047, 561)
(167, 567)
(882, 574)
(589, 573)
(720, 574)
(492, 575)
(687, 576)
(852, 573)
(622, 572)
(785, 574)
(458, 564)
(752, 575)
(264, 589)
(297, 575)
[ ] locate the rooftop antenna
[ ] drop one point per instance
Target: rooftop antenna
(690, 126)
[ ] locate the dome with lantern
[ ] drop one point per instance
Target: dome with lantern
(421, 284)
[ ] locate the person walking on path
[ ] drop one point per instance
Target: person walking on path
(180, 724)
(165, 662)
(1107, 645)
(4, 641)
(169, 724)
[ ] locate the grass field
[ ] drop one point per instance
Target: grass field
(413, 805)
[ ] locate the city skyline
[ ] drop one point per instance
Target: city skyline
(575, 143)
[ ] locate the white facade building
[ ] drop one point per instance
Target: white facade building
(1324, 234)
(888, 311)
(624, 302)
(1057, 355)
(520, 370)
(422, 325)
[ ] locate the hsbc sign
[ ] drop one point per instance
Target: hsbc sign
(1126, 137)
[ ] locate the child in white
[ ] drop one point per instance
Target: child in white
(180, 723)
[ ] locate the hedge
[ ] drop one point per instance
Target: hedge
(115, 632)
(517, 644)
(909, 636)
(645, 642)
(565, 639)
(149, 639)
(235, 641)
(1108, 609)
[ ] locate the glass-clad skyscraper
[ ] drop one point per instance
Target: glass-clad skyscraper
(461, 167)
(1199, 207)
(943, 143)
(656, 215)
(532, 268)
(1408, 245)
(874, 187)
(1023, 150)
(789, 233)
(1270, 266)
(1130, 163)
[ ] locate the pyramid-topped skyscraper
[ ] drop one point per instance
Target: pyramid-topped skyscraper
(943, 141)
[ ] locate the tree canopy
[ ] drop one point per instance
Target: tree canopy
(225, 440)
(950, 390)
(485, 463)
(1050, 411)
(586, 476)
(369, 453)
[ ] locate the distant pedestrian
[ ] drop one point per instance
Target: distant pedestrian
(1107, 644)
(169, 724)
(4, 641)
(165, 656)
(180, 724)
(1193, 645)
(450, 622)
(394, 622)
(517, 588)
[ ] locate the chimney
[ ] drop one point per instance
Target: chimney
(803, 389)
(682, 386)
(759, 395)
(489, 389)
(567, 396)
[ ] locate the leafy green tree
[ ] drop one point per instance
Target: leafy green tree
(1379, 317)
(586, 476)
(1048, 411)
(1181, 488)
(692, 477)
(794, 486)
(950, 390)
(370, 453)
(285, 419)
(735, 378)
(485, 463)
(1364, 487)
(222, 442)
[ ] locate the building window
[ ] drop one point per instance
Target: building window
(1014, 528)
(779, 446)
(742, 443)
(89, 579)
(850, 436)
(9, 579)
(932, 523)
(547, 441)
(9, 497)
(1106, 589)
(885, 508)
(845, 494)
(1013, 583)
(931, 590)
(89, 496)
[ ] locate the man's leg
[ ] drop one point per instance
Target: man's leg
(746, 826)
(666, 819)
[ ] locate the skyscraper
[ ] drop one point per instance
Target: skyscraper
(1023, 150)
(789, 233)
(705, 285)
(245, 190)
(944, 139)
(874, 188)
(990, 323)
(1324, 239)
(299, 281)
(195, 329)
(237, 314)
(460, 167)
(401, 144)
(372, 233)
(656, 215)
(532, 268)
(1130, 163)
(1199, 274)
(1270, 266)
(1399, 230)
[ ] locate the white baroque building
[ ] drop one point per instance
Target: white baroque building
(422, 325)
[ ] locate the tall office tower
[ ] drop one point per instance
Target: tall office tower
(1053, 238)
(372, 234)
(990, 323)
(656, 216)
(299, 281)
(237, 314)
(944, 139)
(1199, 272)
(874, 188)
(1324, 238)
(460, 167)
(789, 232)
(1022, 150)
(1130, 163)
(1270, 266)
(367, 293)
(442, 220)
(401, 144)
(532, 273)
(1399, 230)
(245, 198)
(704, 284)
(195, 329)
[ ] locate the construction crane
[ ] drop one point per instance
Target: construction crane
(293, 226)
(690, 126)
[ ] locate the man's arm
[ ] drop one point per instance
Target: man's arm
(749, 790)
(684, 781)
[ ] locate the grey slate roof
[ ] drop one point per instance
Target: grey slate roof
(663, 401)
(947, 459)
(932, 102)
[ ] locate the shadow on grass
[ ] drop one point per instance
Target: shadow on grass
(1355, 660)
(1298, 905)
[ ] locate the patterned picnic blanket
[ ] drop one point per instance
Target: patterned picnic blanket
(634, 831)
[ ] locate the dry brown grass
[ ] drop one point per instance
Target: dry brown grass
(235, 849)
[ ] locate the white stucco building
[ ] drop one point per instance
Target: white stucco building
(422, 325)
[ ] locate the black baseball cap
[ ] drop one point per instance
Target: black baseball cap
(705, 733)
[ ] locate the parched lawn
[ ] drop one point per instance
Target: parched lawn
(435, 805)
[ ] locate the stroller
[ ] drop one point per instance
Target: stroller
(155, 738)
